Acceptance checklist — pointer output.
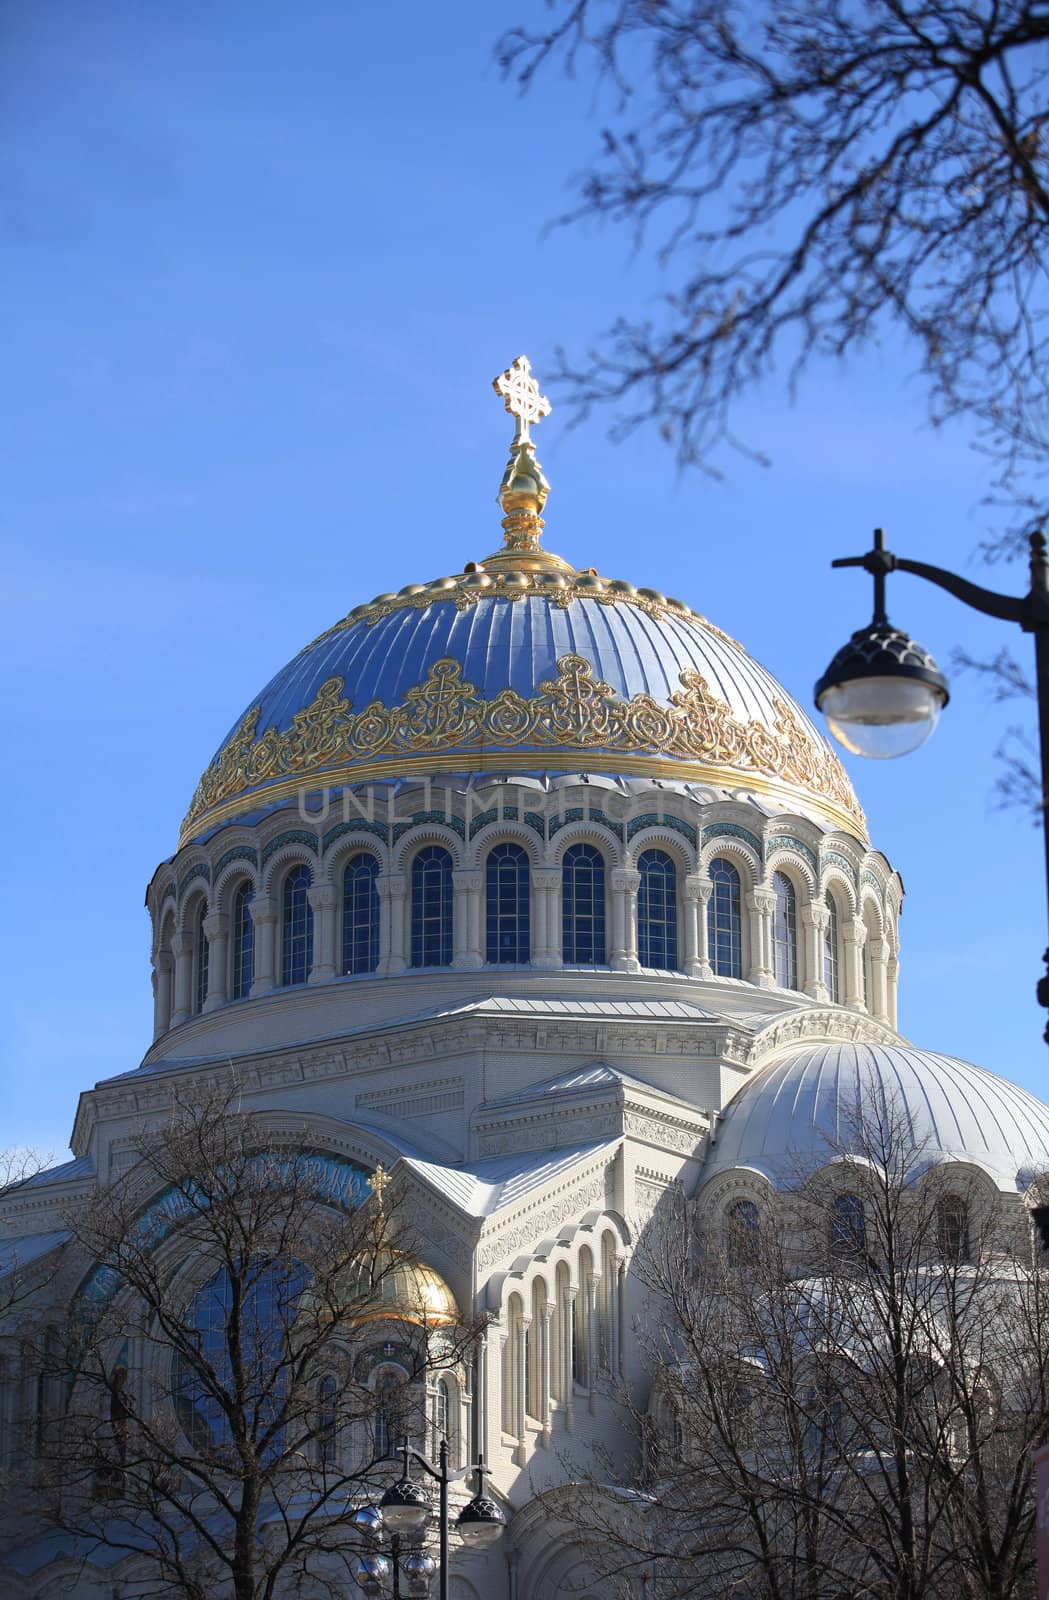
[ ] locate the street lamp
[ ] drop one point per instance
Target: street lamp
(883, 693)
(404, 1512)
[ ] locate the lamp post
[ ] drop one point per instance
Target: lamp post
(883, 693)
(404, 1512)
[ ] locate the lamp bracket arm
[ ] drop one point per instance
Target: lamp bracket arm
(1009, 607)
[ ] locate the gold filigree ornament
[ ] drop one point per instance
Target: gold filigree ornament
(694, 737)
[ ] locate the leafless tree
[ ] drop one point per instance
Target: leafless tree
(848, 1386)
(211, 1408)
(813, 173)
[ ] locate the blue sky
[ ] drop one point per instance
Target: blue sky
(261, 265)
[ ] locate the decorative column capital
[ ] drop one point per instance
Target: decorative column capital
(163, 961)
(854, 931)
(763, 900)
(391, 885)
(625, 880)
(468, 880)
(263, 910)
(181, 945)
(322, 896)
(693, 887)
(814, 916)
(546, 878)
(216, 925)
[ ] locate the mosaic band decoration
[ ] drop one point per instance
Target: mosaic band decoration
(572, 712)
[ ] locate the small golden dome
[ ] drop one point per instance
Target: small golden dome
(390, 1285)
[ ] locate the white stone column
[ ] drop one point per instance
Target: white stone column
(625, 884)
(814, 920)
(182, 950)
(761, 903)
(695, 894)
(162, 976)
(520, 1387)
(566, 1346)
(216, 931)
(892, 983)
(621, 1267)
(392, 889)
(854, 936)
(264, 923)
(545, 1311)
(879, 954)
(323, 899)
(467, 954)
(546, 920)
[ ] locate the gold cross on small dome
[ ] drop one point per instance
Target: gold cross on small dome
(378, 1183)
(521, 393)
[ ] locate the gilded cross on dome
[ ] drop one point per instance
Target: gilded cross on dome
(378, 1183)
(520, 391)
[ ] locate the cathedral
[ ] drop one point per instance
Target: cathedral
(536, 890)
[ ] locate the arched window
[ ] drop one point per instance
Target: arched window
(583, 906)
(507, 908)
(439, 1421)
(583, 1319)
(831, 946)
(513, 1375)
(724, 920)
(741, 1233)
(201, 953)
(243, 951)
(327, 1390)
(360, 914)
(387, 1429)
(432, 908)
(785, 932)
(848, 1226)
(952, 1228)
(657, 910)
(297, 927)
(269, 1298)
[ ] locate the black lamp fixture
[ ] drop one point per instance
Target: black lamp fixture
(883, 693)
(404, 1513)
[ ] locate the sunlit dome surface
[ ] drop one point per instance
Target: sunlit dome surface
(796, 1114)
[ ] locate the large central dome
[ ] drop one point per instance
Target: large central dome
(523, 664)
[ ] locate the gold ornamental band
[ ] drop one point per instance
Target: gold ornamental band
(573, 722)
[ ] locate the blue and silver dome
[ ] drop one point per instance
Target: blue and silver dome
(522, 664)
(799, 1112)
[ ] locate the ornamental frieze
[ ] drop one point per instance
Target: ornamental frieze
(574, 711)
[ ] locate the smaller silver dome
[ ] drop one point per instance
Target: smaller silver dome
(796, 1114)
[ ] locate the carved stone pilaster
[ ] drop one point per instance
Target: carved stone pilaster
(467, 886)
(216, 931)
(323, 900)
(264, 922)
(695, 895)
(761, 903)
(814, 921)
(625, 884)
(392, 889)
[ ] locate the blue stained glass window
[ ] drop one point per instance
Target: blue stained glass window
(201, 954)
(831, 966)
(269, 1294)
(360, 914)
(432, 908)
(724, 920)
(297, 927)
(243, 973)
(507, 911)
(327, 1390)
(785, 932)
(583, 906)
(848, 1226)
(657, 910)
